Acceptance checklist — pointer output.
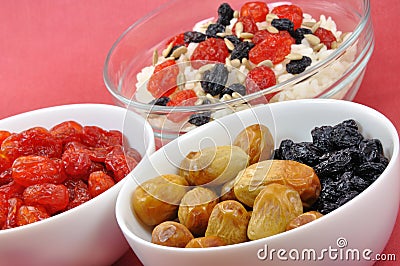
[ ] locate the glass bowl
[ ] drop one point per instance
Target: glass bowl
(336, 75)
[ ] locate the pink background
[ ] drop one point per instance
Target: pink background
(52, 53)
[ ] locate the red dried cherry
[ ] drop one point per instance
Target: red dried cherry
(210, 50)
(163, 82)
(31, 170)
(249, 25)
(76, 163)
(99, 182)
(326, 37)
(273, 47)
(260, 78)
(53, 197)
(181, 98)
(11, 190)
(13, 206)
(78, 193)
(6, 177)
(117, 163)
(33, 141)
(177, 40)
(30, 214)
(291, 12)
(257, 10)
(67, 131)
(3, 135)
(94, 136)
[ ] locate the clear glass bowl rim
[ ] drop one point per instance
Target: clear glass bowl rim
(222, 105)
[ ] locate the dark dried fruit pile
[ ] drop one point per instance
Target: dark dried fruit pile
(46, 172)
(345, 161)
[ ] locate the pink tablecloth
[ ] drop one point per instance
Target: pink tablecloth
(52, 53)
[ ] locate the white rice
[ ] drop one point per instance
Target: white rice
(308, 88)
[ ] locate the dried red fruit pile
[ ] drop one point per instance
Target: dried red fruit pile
(46, 172)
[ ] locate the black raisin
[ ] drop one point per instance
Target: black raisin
(213, 29)
(299, 33)
(234, 40)
(338, 162)
(242, 50)
(303, 152)
(359, 184)
(162, 101)
(200, 118)
(225, 14)
(298, 66)
(235, 87)
(346, 197)
(214, 80)
(321, 137)
(283, 24)
(371, 150)
(346, 135)
(370, 170)
(194, 36)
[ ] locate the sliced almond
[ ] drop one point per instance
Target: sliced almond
(318, 47)
(205, 68)
(246, 35)
(236, 63)
(312, 39)
(179, 51)
(270, 17)
(167, 50)
(315, 26)
(294, 56)
(308, 24)
(272, 29)
(267, 63)
(229, 44)
(239, 28)
(155, 57)
(246, 63)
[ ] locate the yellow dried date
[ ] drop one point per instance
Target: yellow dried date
(274, 207)
(206, 242)
(171, 234)
(213, 165)
(229, 220)
(195, 209)
(157, 200)
(303, 219)
(298, 176)
(257, 141)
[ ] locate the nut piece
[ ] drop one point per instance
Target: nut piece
(213, 164)
(229, 220)
(257, 141)
(195, 209)
(296, 175)
(303, 219)
(206, 242)
(157, 200)
(171, 234)
(273, 208)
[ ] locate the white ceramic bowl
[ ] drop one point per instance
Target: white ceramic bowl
(365, 223)
(88, 234)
